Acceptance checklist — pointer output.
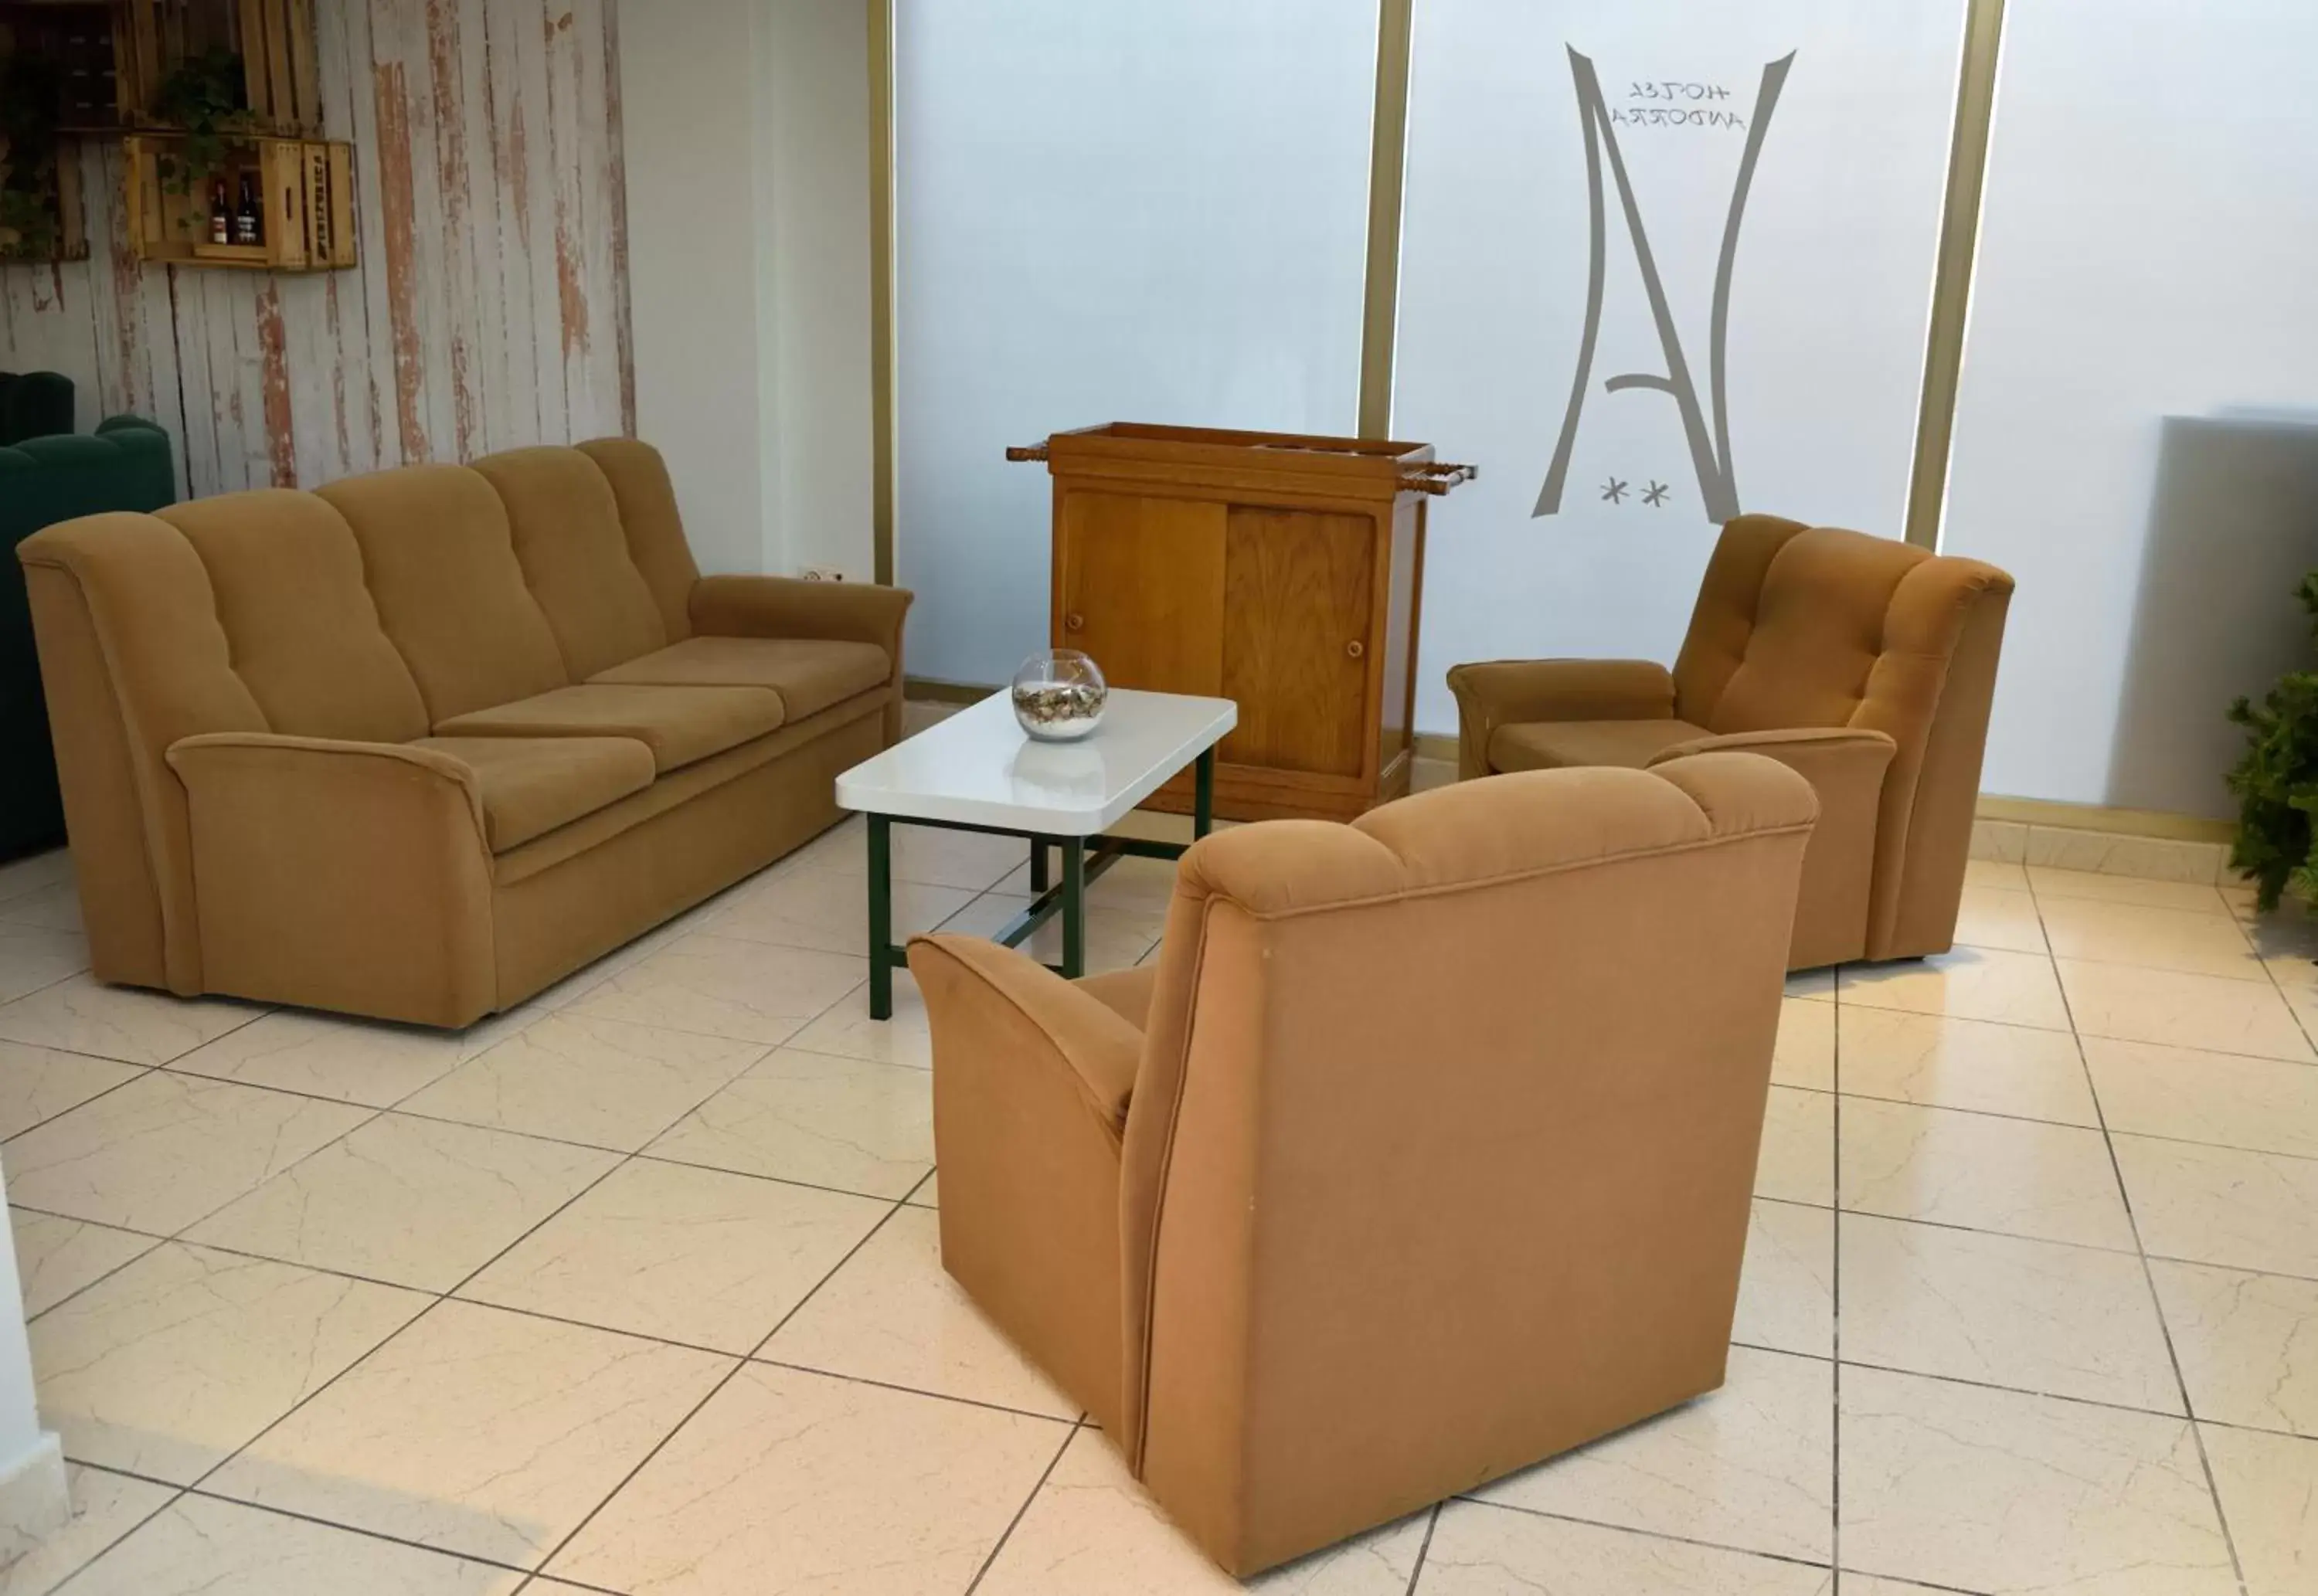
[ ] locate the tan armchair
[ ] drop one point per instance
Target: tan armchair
(1864, 664)
(1423, 1154)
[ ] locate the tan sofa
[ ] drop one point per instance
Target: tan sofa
(1867, 664)
(418, 744)
(1423, 1154)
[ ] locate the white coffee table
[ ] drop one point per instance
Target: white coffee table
(979, 771)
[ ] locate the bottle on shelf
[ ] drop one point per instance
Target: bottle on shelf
(246, 228)
(220, 218)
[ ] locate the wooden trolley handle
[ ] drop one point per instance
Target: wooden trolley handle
(1437, 477)
(1025, 451)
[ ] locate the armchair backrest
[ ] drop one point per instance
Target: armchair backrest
(34, 405)
(1444, 1133)
(1814, 626)
(370, 611)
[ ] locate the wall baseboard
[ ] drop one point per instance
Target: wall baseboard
(2094, 817)
(926, 690)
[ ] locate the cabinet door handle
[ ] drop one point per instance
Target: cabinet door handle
(1356, 648)
(1073, 623)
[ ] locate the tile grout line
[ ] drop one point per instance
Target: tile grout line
(535, 1572)
(645, 1462)
(442, 1297)
(1424, 1550)
(1789, 1558)
(2149, 1283)
(2069, 1125)
(179, 1495)
(1007, 1534)
(1835, 1294)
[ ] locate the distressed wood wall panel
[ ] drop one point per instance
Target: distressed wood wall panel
(490, 309)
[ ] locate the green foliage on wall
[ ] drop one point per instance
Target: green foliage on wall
(28, 158)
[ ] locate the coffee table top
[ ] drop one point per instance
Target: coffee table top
(979, 767)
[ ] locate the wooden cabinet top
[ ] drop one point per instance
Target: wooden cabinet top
(1333, 467)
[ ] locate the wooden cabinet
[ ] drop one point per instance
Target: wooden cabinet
(1277, 570)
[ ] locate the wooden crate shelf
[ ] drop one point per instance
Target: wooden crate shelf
(71, 242)
(307, 195)
(281, 70)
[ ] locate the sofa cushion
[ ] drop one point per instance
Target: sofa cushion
(532, 784)
(1561, 745)
(440, 560)
(679, 725)
(575, 555)
(304, 632)
(809, 674)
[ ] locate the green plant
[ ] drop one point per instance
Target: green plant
(205, 99)
(2277, 780)
(28, 99)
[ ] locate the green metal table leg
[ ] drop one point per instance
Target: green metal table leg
(881, 917)
(1039, 874)
(1203, 795)
(1073, 908)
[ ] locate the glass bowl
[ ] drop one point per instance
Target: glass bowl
(1059, 695)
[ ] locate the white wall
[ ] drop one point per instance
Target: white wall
(1108, 212)
(748, 162)
(2134, 437)
(814, 125)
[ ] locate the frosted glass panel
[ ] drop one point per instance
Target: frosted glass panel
(1108, 212)
(2137, 436)
(1779, 369)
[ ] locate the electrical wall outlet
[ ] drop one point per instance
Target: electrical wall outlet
(823, 573)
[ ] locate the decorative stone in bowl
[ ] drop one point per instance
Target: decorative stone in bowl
(1059, 695)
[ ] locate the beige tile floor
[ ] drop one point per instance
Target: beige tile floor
(637, 1290)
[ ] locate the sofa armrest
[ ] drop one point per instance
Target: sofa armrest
(336, 874)
(784, 606)
(1510, 692)
(1031, 1081)
(978, 993)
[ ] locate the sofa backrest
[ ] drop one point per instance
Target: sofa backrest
(1446, 1118)
(370, 611)
(574, 553)
(438, 554)
(301, 630)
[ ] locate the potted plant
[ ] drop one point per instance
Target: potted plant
(206, 100)
(2277, 780)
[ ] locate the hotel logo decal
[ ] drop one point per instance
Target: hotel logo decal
(1668, 105)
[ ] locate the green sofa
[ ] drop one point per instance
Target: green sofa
(125, 465)
(34, 405)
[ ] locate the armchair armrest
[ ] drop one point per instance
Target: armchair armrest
(784, 606)
(1844, 767)
(1804, 749)
(1032, 1078)
(978, 993)
(1509, 692)
(341, 875)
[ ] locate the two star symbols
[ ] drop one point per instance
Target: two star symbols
(1655, 495)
